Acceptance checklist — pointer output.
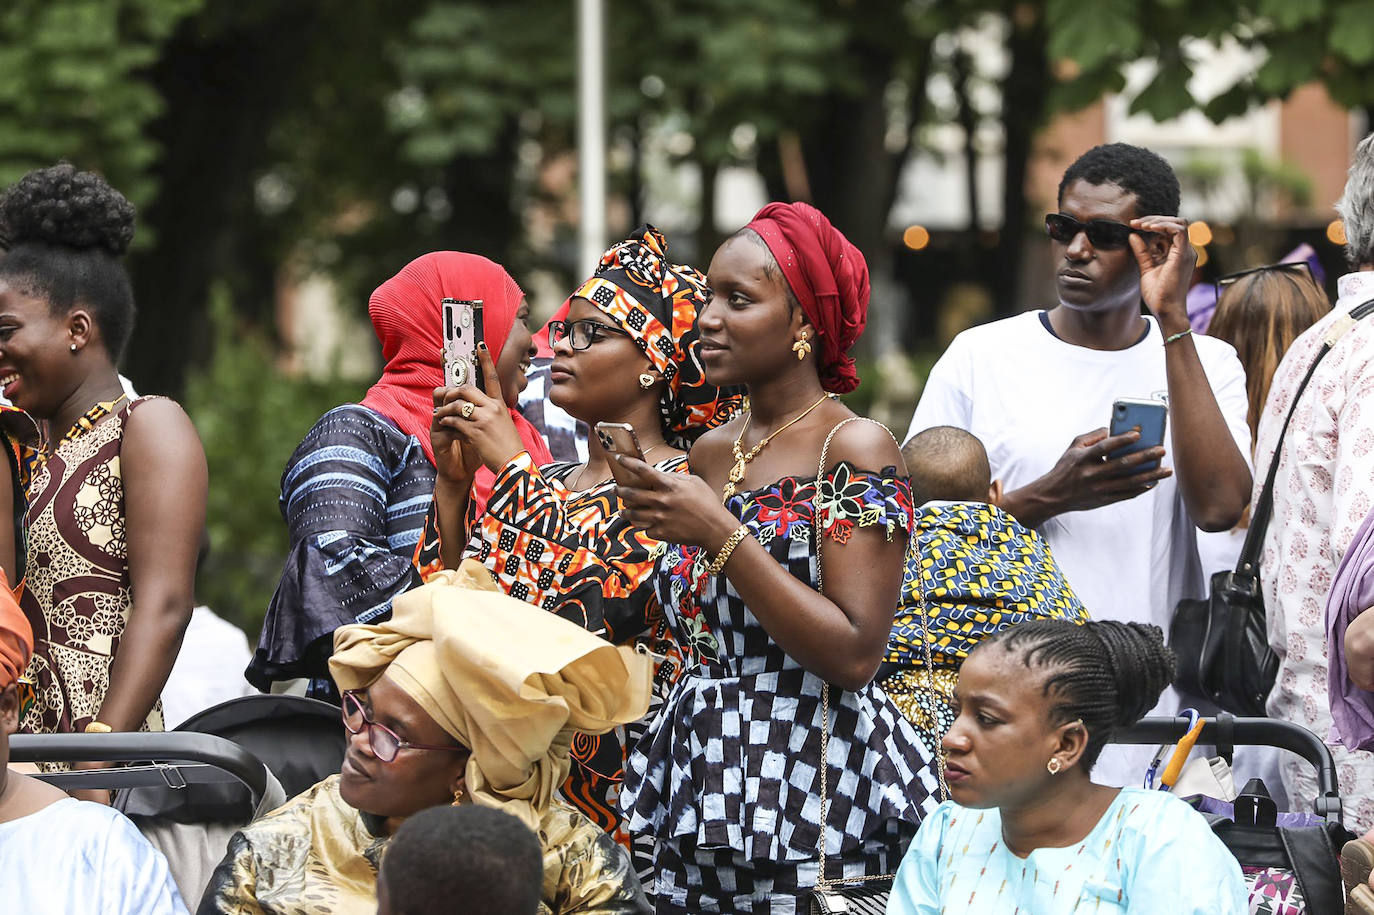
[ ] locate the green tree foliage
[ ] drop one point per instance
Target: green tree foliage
(73, 86)
(250, 417)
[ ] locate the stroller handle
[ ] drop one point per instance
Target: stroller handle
(206, 749)
(1264, 732)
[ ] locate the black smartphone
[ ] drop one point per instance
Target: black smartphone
(462, 332)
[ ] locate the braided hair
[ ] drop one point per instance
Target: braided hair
(1104, 673)
(66, 232)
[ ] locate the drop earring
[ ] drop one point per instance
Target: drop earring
(801, 347)
(457, 797)
(646, 380)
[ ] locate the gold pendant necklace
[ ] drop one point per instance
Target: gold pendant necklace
(736, 475)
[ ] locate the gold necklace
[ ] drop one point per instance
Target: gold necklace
(736, 475)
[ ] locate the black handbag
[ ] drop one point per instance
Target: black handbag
(1222, 642)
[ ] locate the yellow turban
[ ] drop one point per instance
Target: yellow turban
(510, 681)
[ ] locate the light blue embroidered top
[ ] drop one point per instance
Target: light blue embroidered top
(1149, 853)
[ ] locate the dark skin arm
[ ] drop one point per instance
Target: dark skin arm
(462, 445)
(838, 634)
(1212, 474)
(165, 480)
(9, 559)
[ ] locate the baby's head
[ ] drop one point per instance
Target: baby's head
(947, 464)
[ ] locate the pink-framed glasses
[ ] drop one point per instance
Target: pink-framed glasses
(385, 742)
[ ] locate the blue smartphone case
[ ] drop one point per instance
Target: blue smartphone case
(1150, 416)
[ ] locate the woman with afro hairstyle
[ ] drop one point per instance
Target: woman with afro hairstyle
(116, 502)
(1027, 830)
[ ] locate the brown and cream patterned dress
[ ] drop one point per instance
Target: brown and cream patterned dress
(76, 591)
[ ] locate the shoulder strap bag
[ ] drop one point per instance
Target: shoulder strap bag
(1222, 641)
(866, 895)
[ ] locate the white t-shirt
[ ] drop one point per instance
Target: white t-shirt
(208, 669)
(75, 857)
(1027, 394)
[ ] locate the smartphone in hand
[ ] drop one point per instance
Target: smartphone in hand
(1149, 416)
(619, 438)
(462, 332)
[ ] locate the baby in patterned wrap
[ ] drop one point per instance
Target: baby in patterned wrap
(971, 570)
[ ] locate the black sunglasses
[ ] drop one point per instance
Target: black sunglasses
(1295, 267)
(581, 334)
(1102, 233)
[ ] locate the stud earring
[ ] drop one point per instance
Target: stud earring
(1054, 765)
(646, 380)
(72, 347)
(457, 796)
(801, 347)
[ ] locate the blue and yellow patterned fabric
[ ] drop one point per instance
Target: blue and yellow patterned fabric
(978, 570)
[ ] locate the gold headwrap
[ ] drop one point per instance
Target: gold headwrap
(508, 680)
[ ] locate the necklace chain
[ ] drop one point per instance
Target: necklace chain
(736, 475)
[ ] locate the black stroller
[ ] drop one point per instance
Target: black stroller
(190, 789)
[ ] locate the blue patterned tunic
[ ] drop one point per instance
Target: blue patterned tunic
(731, 760)
(354, 496)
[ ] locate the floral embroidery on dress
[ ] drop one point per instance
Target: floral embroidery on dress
(787, 510)
(848, 498)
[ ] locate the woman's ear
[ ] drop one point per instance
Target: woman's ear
(459, 786)
(9, 709)
(1073, 741)
(80, 328)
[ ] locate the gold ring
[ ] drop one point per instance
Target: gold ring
(468, 409)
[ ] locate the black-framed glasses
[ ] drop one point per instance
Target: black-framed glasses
(1102, 233)
(384, 741)
(1296, 268)
(581, 334)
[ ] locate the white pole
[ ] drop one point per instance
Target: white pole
(591, 132)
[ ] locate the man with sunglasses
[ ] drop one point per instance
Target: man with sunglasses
(1122, 527)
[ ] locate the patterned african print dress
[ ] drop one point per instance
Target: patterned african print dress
(972, 570)
(727, 778)
(570, 552)
(76, 591)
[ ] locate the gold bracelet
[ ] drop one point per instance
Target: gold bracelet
(718, 564)
(98, 727)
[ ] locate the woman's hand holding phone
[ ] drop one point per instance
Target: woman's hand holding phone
(672, 507)
(480, 418)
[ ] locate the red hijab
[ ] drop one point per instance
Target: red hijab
(829, 277)
(407, 317)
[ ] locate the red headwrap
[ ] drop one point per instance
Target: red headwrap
(828, 276)
(16, 637)
(407, 317)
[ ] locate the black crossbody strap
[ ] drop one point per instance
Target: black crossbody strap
(1248, 563)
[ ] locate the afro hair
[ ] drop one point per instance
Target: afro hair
(1135, 170)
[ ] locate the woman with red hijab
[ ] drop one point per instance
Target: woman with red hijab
(728, 778)
(356, 491)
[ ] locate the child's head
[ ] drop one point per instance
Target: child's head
(484, 857)
(947, 464)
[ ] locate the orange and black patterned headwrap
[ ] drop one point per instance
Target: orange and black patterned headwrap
(657, 302)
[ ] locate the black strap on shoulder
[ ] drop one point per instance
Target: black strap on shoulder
(1248, 563)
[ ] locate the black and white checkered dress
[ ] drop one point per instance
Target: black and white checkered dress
(727, 776)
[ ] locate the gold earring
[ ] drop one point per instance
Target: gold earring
(457, 796)
(646, 380)
(801, 347)
(1054, 765)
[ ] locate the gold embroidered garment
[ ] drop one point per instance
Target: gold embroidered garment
(316, 855)
(76, 591)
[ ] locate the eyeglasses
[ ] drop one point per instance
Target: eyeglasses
(1103, 234)
(384, 741)
(1293, 267)
(581, 334)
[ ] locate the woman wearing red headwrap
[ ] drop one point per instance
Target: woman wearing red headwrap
(727, 779)
(356, 491)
